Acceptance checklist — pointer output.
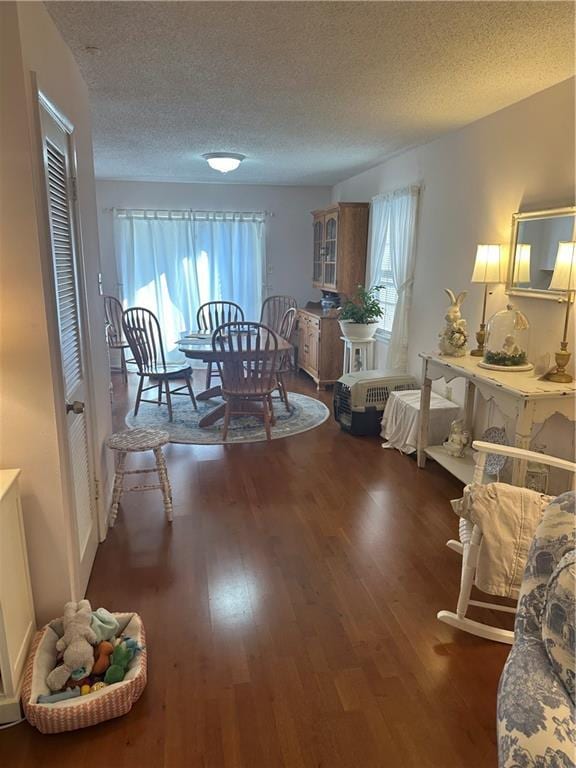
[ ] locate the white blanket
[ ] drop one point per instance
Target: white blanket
(402, 415)
(508, 517)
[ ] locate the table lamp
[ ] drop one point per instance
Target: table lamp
(487, 269)
(564, 279)
(521, 264)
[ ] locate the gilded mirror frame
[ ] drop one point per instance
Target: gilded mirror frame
(517, 218)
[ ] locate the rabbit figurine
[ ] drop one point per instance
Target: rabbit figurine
(454, 336)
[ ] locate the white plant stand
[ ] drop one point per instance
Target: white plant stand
(522, 397)
(365, 349)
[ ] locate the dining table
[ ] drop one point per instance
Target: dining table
(198, 346)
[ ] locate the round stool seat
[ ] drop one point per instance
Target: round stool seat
(139, 439)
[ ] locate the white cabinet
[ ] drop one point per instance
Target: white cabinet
(17, 622)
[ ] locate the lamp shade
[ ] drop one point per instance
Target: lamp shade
(522, 263)
(564, 277)
(488, 264)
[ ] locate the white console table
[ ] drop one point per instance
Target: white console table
(523, 397)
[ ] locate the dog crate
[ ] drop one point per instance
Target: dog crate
(360, 399)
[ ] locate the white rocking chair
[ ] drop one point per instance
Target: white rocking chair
(469, 546)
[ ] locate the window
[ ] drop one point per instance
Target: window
(171, 262)
(388, 295)
(391, 264)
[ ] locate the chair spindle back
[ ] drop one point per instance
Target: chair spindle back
(287, 325)
(113, 318)
(143, 334)
(273, 310)
(249, 360)
(286, 331)
(216, 313)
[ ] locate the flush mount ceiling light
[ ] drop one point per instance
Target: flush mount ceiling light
(223, 161)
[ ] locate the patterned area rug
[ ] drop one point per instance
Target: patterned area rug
(305, 414)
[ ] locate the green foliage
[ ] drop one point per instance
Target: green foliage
(502, 358)
(364, 308)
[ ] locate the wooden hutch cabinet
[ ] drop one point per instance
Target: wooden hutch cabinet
(339, 247)
(339, 265)
(320, 349)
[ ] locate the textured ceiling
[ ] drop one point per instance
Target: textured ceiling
(311, 92)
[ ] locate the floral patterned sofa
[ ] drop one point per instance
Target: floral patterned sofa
(536, 723)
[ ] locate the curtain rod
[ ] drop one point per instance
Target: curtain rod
(411, 189)
(188, 211)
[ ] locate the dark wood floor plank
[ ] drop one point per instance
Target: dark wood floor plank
(291, 616)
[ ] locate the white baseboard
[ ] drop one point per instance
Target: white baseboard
(10, 710)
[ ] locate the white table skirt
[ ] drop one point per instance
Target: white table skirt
(401, 416)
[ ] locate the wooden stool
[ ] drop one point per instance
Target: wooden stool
(357, 353)
(133, 441)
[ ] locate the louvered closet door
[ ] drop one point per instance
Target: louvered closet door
(67, 284)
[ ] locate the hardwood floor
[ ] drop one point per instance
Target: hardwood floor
(291, 616)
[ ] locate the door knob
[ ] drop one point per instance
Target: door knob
(75, 407)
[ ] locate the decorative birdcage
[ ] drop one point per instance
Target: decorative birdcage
(506, 345)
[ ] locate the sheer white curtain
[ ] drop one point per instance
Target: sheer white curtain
(171, 262)
(379, 237)
(393, 231)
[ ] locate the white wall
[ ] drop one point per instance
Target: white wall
(289, 229)
(30, 411)
(472, 181)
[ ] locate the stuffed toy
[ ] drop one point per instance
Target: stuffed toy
(104, 624)
(121, 658)
(76, 643)
(102, 653)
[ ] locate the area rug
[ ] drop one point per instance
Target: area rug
(305, 414)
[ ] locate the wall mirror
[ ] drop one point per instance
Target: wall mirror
(533, 248)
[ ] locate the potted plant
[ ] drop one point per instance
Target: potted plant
(359, 316)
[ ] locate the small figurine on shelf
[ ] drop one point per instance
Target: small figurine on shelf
(458, 439)
(510, 347)
(454, 336)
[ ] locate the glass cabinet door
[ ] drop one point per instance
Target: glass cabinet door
(318, 267)
(330, 255)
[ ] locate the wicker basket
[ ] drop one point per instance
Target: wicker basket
(69, 715)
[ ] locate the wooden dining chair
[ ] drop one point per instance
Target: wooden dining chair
(210, 316)
(273, 310)
(247, 360)
(284, 364)
(114, 332)
(142, 332)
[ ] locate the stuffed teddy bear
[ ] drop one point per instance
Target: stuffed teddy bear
(76, 644)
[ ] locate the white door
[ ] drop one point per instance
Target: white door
(68, 287)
